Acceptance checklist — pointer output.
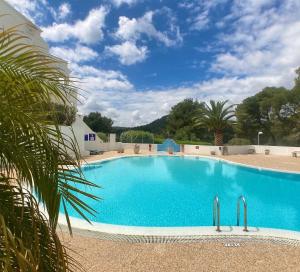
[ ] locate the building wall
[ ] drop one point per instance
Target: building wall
(9, 17)
(143, 147)
(12, 18)
(77, 131)
(241, 149)
(277, 150)
(200, 149)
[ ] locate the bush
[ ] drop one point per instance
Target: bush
(136, 136)
(62, 114)
(181, 134)
(291, 140)
(98, 122)
(239, 141)
(102, 136)
(158, 140)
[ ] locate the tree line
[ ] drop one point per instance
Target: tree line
(275, 111)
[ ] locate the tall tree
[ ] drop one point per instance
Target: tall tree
(98, 123)
(215, 117)
(297, 79)
(34, 160)
(180, 119)
(268, 111)
(292, 137)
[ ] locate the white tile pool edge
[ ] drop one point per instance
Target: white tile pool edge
(203, 231)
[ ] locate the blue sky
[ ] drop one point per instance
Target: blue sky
(137, 58)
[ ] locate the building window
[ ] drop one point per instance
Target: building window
(92, 137)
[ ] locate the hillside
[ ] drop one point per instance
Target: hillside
(157, 126)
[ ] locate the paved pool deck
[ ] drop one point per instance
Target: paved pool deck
(231, 255)
(287, 163)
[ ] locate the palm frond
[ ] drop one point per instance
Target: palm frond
(35, 154)
(27, 241)
(215, 115)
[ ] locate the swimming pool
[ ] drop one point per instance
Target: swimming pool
(173, 191)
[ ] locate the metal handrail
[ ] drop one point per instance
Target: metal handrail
(245, 212)
(216, 213)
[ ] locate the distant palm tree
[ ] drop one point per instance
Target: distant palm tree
(34, 160)
(215, 117)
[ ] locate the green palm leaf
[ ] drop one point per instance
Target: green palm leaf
(34, 154)
(215, 117)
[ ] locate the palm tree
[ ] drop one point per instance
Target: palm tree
(35, 166)
(215, 117)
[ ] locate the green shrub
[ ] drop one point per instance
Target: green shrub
(239, 141)
(62, 114)
(136, 136)
(291, 140)
(158, 140)
(102, 136)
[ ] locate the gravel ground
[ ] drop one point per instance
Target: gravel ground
(98, 255)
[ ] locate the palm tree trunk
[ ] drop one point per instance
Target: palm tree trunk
(218, 137)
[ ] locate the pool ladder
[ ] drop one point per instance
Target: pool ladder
(241, 198)
(216, 212)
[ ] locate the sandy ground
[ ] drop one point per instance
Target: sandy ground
(110, 256)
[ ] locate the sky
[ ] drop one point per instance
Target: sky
(135, 59)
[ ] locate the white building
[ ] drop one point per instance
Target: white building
(9, 17)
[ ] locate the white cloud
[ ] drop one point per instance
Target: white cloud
(200, 21)
(260, 53)
(253, 54)
(118, 3)
(265, 47)
(63, 11)
(88, 31)
(96, 79)
(128, 52)
(200, 11)
(132, 107)
(133, 29)
(78, 54)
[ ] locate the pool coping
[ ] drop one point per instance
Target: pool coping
(180, 234)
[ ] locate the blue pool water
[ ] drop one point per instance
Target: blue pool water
(179, 191)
